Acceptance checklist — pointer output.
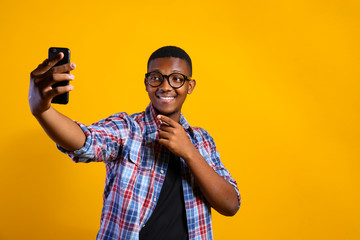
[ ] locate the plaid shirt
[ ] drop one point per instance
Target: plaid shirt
(136, 166)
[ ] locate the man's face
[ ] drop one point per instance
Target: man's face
(166, 99)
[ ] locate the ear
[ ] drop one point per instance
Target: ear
(145, 84)
(191, 86)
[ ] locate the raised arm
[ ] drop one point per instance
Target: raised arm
(58, 127)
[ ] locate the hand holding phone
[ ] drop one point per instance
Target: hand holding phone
(42, 80)
(53, 51)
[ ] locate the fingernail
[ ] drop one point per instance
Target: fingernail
(71, 87)
(71, 76)
(72, 65)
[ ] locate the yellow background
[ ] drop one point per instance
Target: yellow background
(277, 88)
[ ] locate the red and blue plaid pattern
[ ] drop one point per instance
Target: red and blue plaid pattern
(135, 171)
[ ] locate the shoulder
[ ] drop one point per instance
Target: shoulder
(203, 138)
(124, 115)
(200, 132)
(124, 120)
(205, 144)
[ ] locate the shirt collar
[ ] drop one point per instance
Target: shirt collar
(152, 124)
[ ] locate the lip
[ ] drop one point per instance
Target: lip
(166, 99)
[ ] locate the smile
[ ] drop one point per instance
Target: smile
(166, 99)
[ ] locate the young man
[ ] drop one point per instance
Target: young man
(162, 176)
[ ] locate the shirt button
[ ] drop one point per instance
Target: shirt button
(161, 171)
(154, 199)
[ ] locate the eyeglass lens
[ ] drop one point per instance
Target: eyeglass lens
(176, 80)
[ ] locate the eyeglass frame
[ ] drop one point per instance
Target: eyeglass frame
(186, 78)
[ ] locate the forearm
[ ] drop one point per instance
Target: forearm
(61, 129)
(218, 192)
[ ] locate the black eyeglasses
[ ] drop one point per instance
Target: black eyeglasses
(175, 80)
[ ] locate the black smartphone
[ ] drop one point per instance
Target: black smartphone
(53, 51)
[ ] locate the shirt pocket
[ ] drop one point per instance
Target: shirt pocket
(128, 173)
(142, 155)
(146, 160)
(137, 166)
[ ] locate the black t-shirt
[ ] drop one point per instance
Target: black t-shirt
(168, 221)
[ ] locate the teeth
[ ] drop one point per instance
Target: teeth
(167, 98)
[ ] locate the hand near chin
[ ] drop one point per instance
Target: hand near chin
(173, 136)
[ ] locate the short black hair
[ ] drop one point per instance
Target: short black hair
(171, 51)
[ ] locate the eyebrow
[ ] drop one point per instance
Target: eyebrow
(174, 71)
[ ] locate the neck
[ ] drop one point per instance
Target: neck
(174, 116)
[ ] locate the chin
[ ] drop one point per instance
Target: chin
(165, 111)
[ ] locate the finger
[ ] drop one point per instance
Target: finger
(167, 120)
(47, 64)
(64, 68)
(58, 77)
(165, 127)
(54, 78)
(164, 142)
(53, 92)
(164, 135)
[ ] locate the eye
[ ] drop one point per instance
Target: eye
(177, 78)
(155, 77)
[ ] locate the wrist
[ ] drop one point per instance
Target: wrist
(41, 114)
(190, 154)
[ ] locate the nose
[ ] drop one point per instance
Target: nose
(165, 85)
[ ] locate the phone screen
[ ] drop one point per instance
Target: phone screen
(53, 51)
